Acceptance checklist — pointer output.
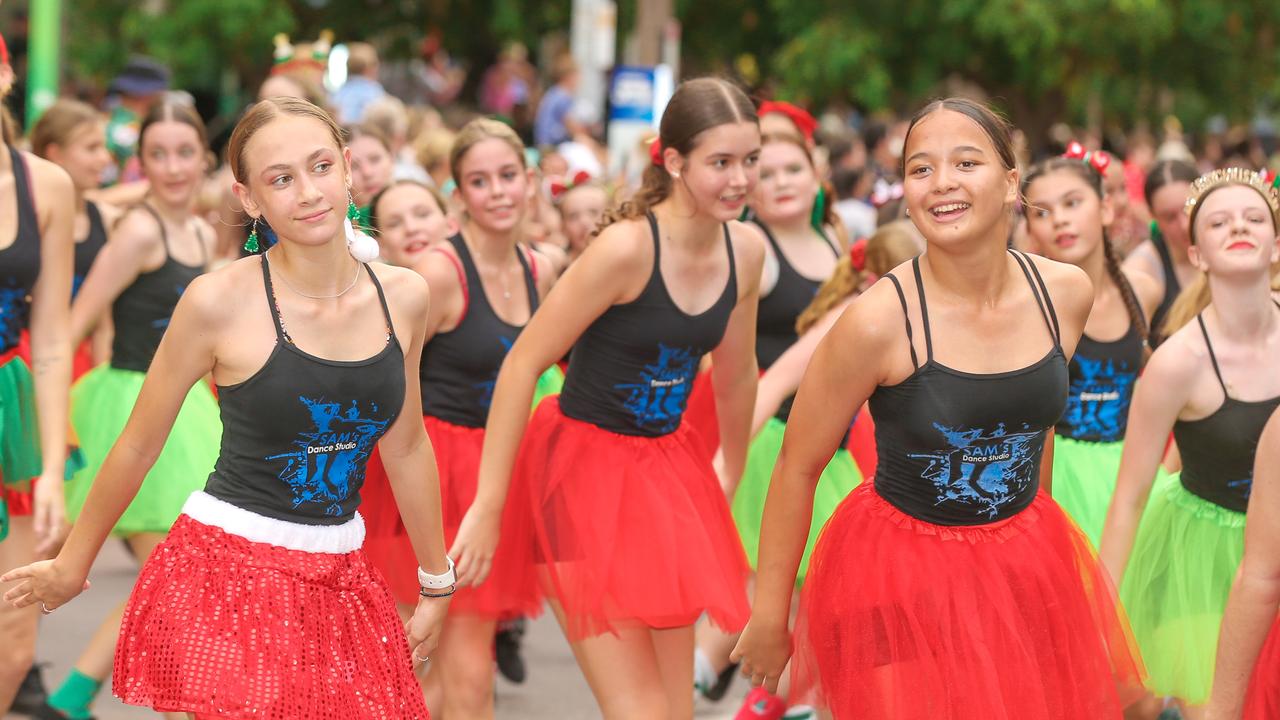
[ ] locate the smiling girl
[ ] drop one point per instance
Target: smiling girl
(1068, 215)
(1213, 383)
(633, 535)
(926, 592)
(410, 218)
(260, 601)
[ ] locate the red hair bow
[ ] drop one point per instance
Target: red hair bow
(803, 121)
(655, 151)
(4, 52)
(1097, 159)
(558, 189)
(858, 254)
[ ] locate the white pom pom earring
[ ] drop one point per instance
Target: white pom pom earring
(362, 247)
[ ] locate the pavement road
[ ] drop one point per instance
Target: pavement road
(555, 688)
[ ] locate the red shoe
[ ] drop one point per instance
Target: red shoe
(761, 705)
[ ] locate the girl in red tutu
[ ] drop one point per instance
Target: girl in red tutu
(633, 536)
(35, 287)
(260, 602)
(485, 286)
(950, 587)
(1246, 681)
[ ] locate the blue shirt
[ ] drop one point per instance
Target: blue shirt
(548, 126)
(354, 95)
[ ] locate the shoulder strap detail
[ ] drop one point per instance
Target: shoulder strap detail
(271, 302)
(528, 266)
(1041, 294)
(382, 300)
(902, 298)
(164, 234)
(1213, 358)
(462, 279)
(924, 309)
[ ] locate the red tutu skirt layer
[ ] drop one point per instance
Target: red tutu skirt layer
(700, 416)
(222, 626)
(511, 590)
(1263, 699)
(1016, 620)
(630, 529)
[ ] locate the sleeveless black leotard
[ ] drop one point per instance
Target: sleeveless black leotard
(20, 262)
(296, 436)
(633, 368)
(958, 448)
(1102, 380)
(87, 250)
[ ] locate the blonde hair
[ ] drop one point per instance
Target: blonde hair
(476, 132)
(433, 146)
(890, 246)
(59, 123)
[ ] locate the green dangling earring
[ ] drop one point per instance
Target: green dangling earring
(251, 245)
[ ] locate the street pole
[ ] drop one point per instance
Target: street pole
(42, 57)
(651, 24)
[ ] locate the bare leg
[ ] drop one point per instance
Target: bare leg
(463, 666)
(17, 627)
(1191, 712)
(674, 648)
(622, 670)
(1148, 708)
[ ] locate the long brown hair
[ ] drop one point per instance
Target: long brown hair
(996, 127)
(61, 121)
(697, 106)
(1093, 178)
(890, 246)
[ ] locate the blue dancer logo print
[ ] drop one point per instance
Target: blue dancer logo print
(13, 316)
(984, 469)
(329, 461)
(486, 388)
(1098, 402)
(657, 402)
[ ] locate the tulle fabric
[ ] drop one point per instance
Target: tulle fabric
(511, 589)
(20, 457)
(224, 627)
(837, 480)
(1015, 620)
(700, 416)
(101, 403)
(1176, 584)
(1084, 479)
(1262, 702)
(629, 529)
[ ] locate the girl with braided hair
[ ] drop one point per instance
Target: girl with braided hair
(1068, 214)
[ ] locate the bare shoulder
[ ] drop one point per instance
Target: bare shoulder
(138, 228)
(875, 319)
(1070, 288)
(1143, 259)
(110, 214)
(403, 287)
(623, 246)
(52, 185)
(231, 291)
(1178, 360)
(1146, 288)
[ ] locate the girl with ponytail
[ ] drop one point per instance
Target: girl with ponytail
(1068, 214)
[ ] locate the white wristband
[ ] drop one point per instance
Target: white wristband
(438, 582)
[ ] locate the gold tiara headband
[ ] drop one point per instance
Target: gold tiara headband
(1265, 184)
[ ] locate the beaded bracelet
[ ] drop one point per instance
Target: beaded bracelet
(422, 592)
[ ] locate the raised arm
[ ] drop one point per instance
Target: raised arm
(134, 247)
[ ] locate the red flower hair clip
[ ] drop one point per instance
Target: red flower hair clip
(803, 121)
(858, 254)
(4, 52)
(1096, 159)
(655, 151)
(558, 189)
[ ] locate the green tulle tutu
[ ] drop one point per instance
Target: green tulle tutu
(549, 383)
(20, 456)
(100, 405)
(1175, 588)
(838, 479)
(1084, 479)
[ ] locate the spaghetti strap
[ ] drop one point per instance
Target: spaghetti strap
(164, 235)
(1213, 358)
(902, 298)
(728, 246)
(835, 250)
(657, 246)
(271, 302)
(1041, 294)
(382, 300)
(924, 310)
(527, 266)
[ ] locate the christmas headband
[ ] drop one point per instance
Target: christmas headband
(558, 188)
(800, 117)
(1266, 185)
(285, 55)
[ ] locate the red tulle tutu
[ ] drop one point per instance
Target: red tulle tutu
(1015, 620)
(1263, 699)
(219, 625)
(81, 361)
(511, 590)
(700, 416)
(630, 529)
(21, 503)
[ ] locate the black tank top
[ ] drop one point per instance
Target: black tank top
(1102, 379)
(142, 312)
(296, 436)
(87, 249)
(959, 448)
(1218, 450)
(20, 262)
(1172, 288)
(791, 294)
(460, 367)
(633, 368)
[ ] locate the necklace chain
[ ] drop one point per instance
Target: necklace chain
(355, 278)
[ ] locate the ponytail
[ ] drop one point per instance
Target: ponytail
(655, 186)
(1191, 302)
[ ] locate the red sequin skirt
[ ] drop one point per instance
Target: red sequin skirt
(1015, 620)
(222, 626)
(511, 590)
(630, 529)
